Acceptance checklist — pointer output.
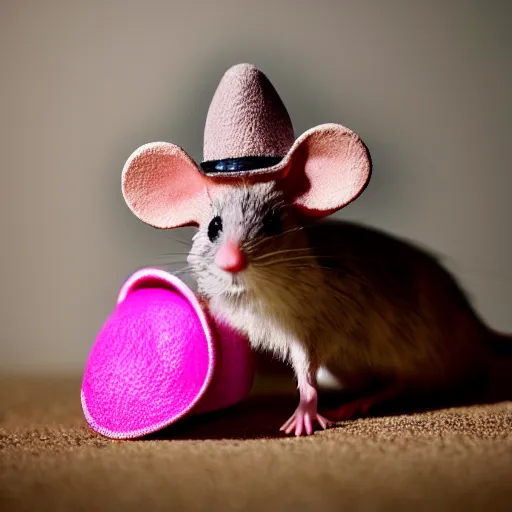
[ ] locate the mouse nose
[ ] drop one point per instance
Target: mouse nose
(230, 257)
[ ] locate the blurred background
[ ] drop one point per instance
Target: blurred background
(427, 86)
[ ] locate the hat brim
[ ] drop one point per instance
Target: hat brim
(326, 168)
(358, 151)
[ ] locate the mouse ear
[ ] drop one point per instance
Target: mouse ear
(163, 186)
(329, 167)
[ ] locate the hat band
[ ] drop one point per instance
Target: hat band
(243, 164)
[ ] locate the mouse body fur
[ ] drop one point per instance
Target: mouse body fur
(367, 306)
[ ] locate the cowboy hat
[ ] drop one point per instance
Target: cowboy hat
(248, 137)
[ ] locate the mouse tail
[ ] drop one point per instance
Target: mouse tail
(499, 383)
(500, 344)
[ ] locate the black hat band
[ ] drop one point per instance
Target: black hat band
(243, 164)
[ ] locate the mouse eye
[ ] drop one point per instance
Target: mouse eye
(272, 223)
(214, 228)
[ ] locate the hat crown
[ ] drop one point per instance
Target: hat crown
(246, 118)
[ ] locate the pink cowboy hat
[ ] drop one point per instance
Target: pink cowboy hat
(248, 136)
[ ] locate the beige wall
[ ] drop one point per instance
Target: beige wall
(426, 84)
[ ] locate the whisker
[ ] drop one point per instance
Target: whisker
(308, 267)
(179, 271)
(255, 244)
(183, 271)
(353, 278)
(174, 239)
(294, 280)
(336, 292)
(310, 257)
(178, 254)
(167, 262)
(298, 266)
(170, 264)
(283, 251)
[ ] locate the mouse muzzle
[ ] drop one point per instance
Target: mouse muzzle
(230, 257)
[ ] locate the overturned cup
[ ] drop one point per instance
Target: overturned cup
(160, 357)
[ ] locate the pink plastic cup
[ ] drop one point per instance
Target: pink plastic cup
(160, 357)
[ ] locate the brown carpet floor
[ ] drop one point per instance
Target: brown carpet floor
(456, 458)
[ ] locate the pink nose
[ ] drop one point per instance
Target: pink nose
(230, 258)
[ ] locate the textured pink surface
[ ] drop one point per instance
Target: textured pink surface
(327, 168)
(246, 117)
(162, 186)
(156, 357)
(234, 370)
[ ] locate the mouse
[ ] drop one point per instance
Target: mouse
(371, 309)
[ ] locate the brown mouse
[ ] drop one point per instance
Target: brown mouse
(334, 297)
(366, 306)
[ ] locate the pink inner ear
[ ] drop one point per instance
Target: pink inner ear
(329, 169)
(163, 187)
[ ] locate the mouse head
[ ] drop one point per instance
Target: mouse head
(248, 142)
(247, 225)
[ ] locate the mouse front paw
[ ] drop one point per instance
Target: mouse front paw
(303, 420)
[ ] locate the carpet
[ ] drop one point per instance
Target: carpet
(449, 458)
